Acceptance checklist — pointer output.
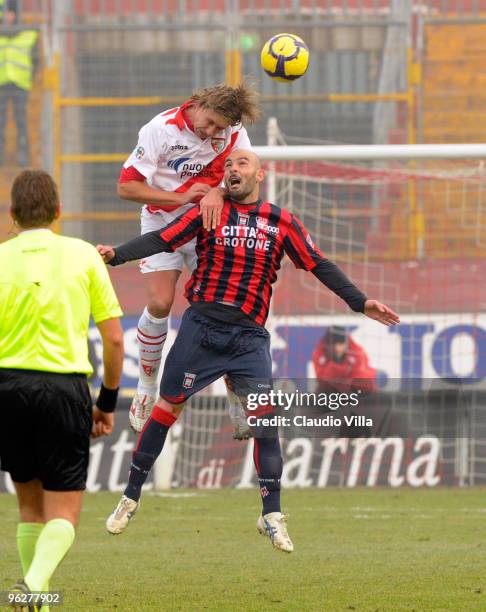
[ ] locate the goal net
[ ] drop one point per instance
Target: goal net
(409, 231)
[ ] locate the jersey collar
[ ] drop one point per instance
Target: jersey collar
(250, 206)
(180, 119)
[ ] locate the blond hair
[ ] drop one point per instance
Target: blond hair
(240, 104)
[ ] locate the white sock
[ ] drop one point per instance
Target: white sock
(151, 335)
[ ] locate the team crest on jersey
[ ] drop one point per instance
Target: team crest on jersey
(243, 219)
(139, 152)
(189, 379)
(217, 144)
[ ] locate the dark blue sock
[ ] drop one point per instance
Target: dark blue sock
(268, 462)
(149, 447)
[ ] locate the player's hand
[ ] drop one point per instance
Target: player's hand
(381, 313)
(106, 252)
(102, 423)
(195, 193)
(211, 207)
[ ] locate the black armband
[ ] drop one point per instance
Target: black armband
(335, 280)
(106, 401)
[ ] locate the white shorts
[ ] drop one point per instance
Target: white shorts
(166, 261)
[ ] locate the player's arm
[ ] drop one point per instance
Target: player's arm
(132, 186)
(179, 232)
(334, 279)
(299, 246)
(143, 163)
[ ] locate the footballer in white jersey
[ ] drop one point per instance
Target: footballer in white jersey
(179, 161)
(171, 156)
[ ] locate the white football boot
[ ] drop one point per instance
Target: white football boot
(140, 411)
(274, 525)
(118, 520)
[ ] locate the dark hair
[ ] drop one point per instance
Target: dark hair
(335, 334)
(35, 199)
(236, 104)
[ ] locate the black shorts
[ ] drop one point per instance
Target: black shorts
(45, 426)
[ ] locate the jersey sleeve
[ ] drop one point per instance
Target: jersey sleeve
(104, 303)
(182, 229)
(300, 247)
(243, 142)
(151, 146)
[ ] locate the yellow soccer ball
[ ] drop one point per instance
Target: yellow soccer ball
(285, 57)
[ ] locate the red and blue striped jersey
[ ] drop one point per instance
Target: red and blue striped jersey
(238, 262)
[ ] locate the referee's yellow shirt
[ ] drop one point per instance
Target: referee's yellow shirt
(49, 287)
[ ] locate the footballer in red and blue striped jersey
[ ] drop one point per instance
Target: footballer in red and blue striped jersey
(222, 332)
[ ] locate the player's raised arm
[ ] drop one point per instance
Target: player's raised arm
(137, 248)
(306, 255)
(179, 232)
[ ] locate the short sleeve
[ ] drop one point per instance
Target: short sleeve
(151, 146)
(243, 142)
(104, 303)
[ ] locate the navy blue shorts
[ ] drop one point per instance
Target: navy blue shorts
(206, 349)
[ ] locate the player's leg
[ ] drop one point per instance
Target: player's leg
(191, 366)
(152, 329)
(160, 274)
(149, 446)
(235, 409)
(252, 373)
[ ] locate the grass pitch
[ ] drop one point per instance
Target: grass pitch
(373, 550)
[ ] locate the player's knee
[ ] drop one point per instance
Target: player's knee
(159, 306)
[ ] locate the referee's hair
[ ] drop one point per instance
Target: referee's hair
(34, 198)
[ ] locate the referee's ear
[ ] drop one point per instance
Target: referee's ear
(58, 211)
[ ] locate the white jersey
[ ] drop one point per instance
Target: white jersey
(172, 157)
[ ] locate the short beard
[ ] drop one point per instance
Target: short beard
(240, 196)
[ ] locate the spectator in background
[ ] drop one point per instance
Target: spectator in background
(19, 58)
(341, 364)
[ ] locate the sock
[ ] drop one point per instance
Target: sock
(53, 543)
(27, 534)
(151, 335)
(149, 446)
(268, 463)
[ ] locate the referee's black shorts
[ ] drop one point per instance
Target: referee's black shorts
(45, 425)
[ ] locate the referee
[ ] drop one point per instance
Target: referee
(49, 287)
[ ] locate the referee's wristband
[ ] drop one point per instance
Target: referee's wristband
(106, 401)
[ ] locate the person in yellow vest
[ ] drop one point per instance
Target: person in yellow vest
(49, 286)
(19, 58)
